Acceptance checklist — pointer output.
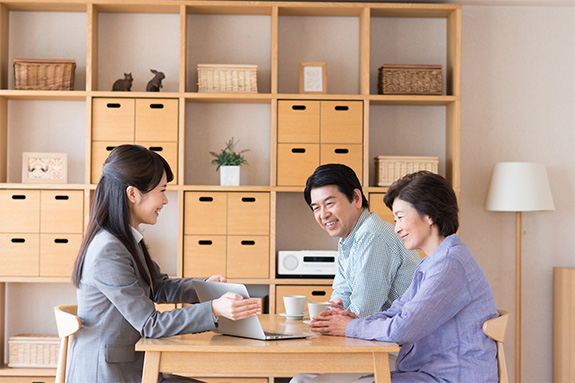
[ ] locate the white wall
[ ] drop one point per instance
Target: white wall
(518, 104)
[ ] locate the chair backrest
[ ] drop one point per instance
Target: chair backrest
(68, 323)
(496, 329)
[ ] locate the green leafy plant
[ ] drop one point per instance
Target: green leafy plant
(228, 156)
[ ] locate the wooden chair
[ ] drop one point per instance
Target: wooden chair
(496, 329)
(68, 323)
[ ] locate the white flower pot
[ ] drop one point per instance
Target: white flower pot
(230, 175)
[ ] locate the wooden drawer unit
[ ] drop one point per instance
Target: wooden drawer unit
(206, 213)
(58, 254)
(168, 150)
(21, 211)
(19, 255)
(347, 154)
(249, 213)
(204, 255)
(248, 256)
(317, 293)
(377, 205)
(61, 211)
(113, 119)
(296, 162)
(298, 121)
(157, 120)
(342, 122)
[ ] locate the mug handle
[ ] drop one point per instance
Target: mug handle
(309, 301)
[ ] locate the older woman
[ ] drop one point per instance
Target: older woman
(438, 320)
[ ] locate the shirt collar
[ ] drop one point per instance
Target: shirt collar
(349, 239)
(137, 235)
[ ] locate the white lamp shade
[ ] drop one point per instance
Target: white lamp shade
(519, 186)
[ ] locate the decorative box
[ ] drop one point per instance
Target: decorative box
(44, 74)
(219, 78)
(390, 168)
(410, 79)
(27, 351)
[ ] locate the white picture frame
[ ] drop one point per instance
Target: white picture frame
(44, 168)
(313, 77)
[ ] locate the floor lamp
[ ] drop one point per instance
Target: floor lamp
(519, 187)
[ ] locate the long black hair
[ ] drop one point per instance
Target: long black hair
(127, 165)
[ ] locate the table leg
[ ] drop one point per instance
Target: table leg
(381, 367)
(151, 367)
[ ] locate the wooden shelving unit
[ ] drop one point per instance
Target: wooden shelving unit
(108, 38)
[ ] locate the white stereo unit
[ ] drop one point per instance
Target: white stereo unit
(306, 263)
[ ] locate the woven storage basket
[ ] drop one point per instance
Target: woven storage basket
(410, 79)
(33, 351)
(44, 74)
(389, 168)
(214, 78)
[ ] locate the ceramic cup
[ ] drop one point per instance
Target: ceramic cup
(295, 304)
(317, 307)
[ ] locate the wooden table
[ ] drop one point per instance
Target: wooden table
(211, 354)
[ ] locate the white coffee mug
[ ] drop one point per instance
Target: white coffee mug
(295, 304)
(317, 307)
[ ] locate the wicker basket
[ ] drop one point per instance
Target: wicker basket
(44, 74)
(410, 79)
(214, 78)
(33, 351)
(389, 168)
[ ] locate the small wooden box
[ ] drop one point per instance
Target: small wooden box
(391, 168)
(21, 211)
(59, 252)
(342, 122)
(249, 213)
(317, 293)
(62, 211)
(298, 121)
(296, 162)
(28, 351)
(204, 255)
(410, 79)
(113, 119)
(157, 120)
(19, 255)
(248, 256)
(221, 78)
(350, 155)
(205, 212)
(44, 74)
(168, 150)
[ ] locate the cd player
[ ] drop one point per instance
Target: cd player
(319, 263)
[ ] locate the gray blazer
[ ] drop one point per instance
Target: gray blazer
(116, 308)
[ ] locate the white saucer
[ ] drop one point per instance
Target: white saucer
(292, 317)
(306, 321)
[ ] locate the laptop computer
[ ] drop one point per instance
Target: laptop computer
(246, 328)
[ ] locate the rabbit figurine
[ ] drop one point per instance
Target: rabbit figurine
(155, 84)
(124, 84)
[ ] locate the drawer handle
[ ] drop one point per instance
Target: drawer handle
(298, 150)
(318, 293)
(206, 199)
(156, 106)
(156, 148)
(62, 197)
(204, 242)
(248, 243)
(298, 107)
(110, 148)
(18, 240)
(341, 108)
(114, 105)
(341, 151)
(60, 240)
(248, 199)
(18, 196)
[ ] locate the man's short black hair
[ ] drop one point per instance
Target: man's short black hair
(339, 175)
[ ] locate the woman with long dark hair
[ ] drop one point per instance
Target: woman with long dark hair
(118, 283)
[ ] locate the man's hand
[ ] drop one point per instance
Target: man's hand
(332, 322)
(337, 304)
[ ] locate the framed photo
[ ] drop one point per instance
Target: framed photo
(312, 78)
(44, 168)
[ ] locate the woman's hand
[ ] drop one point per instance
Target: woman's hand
(217, 278)
(235, 307)
(332, 322)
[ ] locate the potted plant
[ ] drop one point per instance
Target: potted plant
(228, 161)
